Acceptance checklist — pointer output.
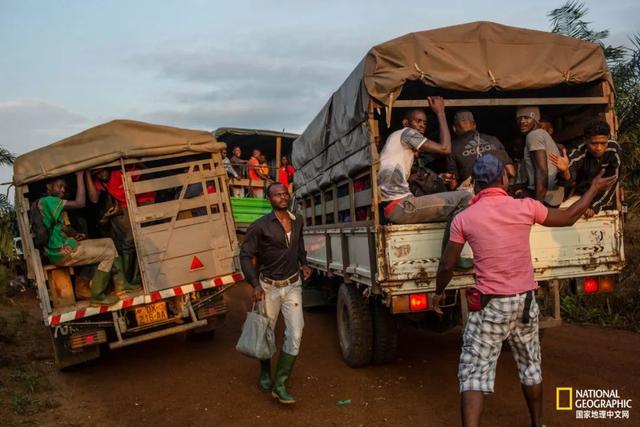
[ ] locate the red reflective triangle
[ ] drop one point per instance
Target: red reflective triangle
(196, 263)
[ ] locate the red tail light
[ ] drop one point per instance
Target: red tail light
(87, 338)
(418, 302)
(590, 285)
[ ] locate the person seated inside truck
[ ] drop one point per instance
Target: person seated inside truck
(253, 173)
(583, 164)
(285, 173)
(264, 169)
(399, 205)
(469, 145)
(238, 165)
(540, 174)
(111, 182)
(66, 247)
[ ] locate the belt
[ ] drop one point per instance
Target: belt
(485, 298)
(280, 283)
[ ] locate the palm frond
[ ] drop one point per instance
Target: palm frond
(6, 157)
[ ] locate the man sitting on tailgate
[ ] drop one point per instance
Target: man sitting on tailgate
(66, 247)
(399, 204)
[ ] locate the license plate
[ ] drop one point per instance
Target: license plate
(151, 313)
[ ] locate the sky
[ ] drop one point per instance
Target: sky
(66, 65)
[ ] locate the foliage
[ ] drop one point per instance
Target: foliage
(624, 64)
(568, 20)
(7, 214)
(623, 308)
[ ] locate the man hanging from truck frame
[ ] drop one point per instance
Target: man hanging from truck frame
(497, 228)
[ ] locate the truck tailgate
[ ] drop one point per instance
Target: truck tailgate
(590, 247)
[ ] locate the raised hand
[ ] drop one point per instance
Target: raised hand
(561, 162)
(601, 184)
(436, 103)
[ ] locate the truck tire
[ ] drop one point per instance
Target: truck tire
(385, 334)
(355, 332)
(65, 358)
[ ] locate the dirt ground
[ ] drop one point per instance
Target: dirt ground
(176, 381)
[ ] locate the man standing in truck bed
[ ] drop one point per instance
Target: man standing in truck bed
(399, 205)
(497, 228)
(275, 240)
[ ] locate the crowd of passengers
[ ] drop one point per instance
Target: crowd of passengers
(110, 259)
(257, 170)
(412, 193)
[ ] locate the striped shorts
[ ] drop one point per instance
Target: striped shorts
(482, 341)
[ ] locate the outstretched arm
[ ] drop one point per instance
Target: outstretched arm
(565, 217)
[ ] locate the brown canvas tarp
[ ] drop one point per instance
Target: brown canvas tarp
(108, 142)
(481, 56)
(474, 57)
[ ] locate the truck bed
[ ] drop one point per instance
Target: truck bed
(412, 253)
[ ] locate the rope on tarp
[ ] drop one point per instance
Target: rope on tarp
(494, 83)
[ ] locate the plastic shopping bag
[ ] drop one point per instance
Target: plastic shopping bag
(257, 339)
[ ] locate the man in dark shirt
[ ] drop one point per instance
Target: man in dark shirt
(275, 241)
(584, 163)
(470, 145)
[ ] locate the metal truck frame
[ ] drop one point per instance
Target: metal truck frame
(185, 250)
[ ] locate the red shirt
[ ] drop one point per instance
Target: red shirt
(497, 227)
(254, 164)
(284, 174)
(115, 187)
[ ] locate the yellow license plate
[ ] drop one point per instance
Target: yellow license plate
(151, 313)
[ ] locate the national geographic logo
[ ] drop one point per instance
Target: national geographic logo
(601, 404)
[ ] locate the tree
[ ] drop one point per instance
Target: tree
(7, 213)
(624, 64)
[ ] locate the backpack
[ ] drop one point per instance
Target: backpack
(425, 181)
(38, 228)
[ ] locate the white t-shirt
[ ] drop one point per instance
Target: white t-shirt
(396, 160)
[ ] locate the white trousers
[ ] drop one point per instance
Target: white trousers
(287, 299)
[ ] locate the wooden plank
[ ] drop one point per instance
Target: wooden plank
(503, 102)
(157, 211)
(174, 181)
(61, 288)
(278, 153)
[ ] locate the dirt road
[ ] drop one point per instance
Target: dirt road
(205, 382)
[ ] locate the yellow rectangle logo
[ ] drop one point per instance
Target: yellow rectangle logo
(559, 406)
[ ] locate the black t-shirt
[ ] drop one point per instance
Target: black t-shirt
(469, 147)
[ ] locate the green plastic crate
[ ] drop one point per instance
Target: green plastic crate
(246, 210)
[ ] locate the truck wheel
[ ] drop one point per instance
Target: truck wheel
(355, 330)
(385, 334)
(64, 357)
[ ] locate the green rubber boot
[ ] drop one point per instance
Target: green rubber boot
(99, 285)
(265, 375)
(283, 371)
(128, 265)
(120, 282)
